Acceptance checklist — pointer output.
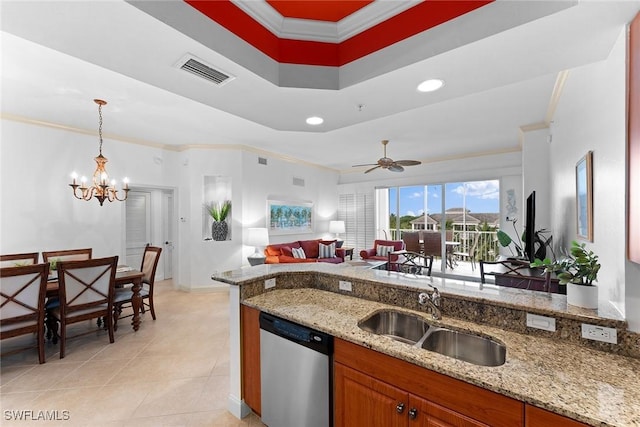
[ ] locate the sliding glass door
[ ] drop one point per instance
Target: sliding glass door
(457, 222)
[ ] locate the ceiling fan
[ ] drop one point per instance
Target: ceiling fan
(387, 163)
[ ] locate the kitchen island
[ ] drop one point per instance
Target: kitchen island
(558, 372)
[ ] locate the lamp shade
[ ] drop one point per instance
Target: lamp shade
(336, 227)
(257, 237)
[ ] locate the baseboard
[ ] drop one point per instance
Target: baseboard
(237, 407)
(223, 287)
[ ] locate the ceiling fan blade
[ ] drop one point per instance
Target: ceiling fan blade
(369, 170)
(366, 164)
(408, 162)
(396, 167)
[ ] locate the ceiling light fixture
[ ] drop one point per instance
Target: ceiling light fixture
(430, 85)
(101, 189)
(315, 121)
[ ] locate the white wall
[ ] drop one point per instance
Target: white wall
(591, 116)
(38, 210)
(275, 181)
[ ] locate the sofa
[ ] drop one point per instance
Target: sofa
(281, 253)
(377, 253)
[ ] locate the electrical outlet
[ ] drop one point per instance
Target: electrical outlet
(270, 283)
(541, 322)
(599, 333)
(345, 286)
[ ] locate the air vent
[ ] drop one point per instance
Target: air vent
(199, 68)
(262, 161)
(298, 181)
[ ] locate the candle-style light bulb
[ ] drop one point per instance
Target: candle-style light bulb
(125, 181)
(74, 176)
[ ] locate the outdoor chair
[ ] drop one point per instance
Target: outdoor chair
(86, 290)
(123, 295)
(432, 243)
(412, 241)
(471, 253)
(22, 302)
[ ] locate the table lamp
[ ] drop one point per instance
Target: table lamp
(257, 237)
(337, 227)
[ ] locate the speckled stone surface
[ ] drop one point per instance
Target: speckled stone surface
(595, 387)
(501, 307)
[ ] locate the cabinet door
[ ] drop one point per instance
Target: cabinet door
(250, 324)
(360, 400)
(423, 413)
(536, 417)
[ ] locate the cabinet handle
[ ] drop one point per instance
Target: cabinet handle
(400, 407)
(413, 413)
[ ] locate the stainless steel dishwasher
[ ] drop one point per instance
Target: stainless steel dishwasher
(295, 373)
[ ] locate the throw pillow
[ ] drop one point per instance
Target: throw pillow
(327, 251)
(287, 251)
(298, 253)
(310, 248)
(384, 250)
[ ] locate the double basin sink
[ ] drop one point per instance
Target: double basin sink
(414, 330)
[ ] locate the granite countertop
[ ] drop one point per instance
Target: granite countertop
(591, 386)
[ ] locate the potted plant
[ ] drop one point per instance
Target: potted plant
(219, 212)
(578, 270)
(541, 243)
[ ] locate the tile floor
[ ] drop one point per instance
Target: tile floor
(173, 372)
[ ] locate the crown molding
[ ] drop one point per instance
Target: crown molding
(322, 31)
(168, 147)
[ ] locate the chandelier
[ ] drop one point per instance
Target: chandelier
(102, 189)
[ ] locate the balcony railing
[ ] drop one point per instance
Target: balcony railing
(487, 248)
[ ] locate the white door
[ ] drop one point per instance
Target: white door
(168, 234)
(138, 226)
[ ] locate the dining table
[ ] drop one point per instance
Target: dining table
(124, 276)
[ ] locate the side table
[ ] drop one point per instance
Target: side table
(349, 252)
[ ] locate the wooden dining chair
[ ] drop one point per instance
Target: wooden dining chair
(123, 295)
(18, 260)
(67, 255)
(22, 297)
(86, 291)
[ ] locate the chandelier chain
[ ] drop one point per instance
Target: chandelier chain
(100, 125)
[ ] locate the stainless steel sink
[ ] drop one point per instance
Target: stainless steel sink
(397, 325)
(464, 346)
(414, 330)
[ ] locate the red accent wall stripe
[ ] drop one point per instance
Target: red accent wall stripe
(417, 19)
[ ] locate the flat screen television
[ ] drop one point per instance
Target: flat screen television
(530, 227)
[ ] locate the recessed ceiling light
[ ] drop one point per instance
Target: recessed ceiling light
(315, 120)
(430, 85)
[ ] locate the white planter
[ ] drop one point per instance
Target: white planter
(582, 296)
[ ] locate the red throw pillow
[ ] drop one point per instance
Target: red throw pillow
(310, 247)
(286, 250)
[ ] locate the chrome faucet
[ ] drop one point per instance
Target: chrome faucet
(432, 302)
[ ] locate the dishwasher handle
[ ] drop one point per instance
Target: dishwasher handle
(302, 335)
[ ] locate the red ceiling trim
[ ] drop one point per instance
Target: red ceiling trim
(412, 21)
(319, 10)
(415, 20)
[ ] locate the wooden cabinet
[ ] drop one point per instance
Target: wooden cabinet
(368, 382)
(250, 341)
(361, 400)
(536, 417)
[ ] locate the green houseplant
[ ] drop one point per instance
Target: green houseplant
(578, 270)
(219, 211)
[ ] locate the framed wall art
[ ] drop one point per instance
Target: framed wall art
(289, 217)
(633, 141)
(584, 197)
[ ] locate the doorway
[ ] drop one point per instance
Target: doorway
(150, 220)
